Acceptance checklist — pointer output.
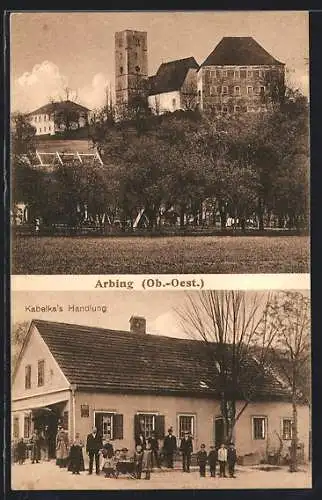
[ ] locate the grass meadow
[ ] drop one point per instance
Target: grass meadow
(173, 255)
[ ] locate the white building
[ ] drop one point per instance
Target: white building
(51, 118)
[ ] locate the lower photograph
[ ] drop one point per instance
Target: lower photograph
(160, 390)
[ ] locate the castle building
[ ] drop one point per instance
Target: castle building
(239, 76)
(131, 65)
(174, 86)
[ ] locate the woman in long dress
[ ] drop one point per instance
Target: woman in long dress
(76, 459)
(62, 447)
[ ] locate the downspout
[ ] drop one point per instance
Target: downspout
(73, 388)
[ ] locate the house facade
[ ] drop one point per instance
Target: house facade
(122, 381)
(239, 76)
(52, 118)
(174, 87)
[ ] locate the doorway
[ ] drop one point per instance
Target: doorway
(219, 432)
(48, 418)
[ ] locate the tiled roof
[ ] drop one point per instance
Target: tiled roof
(53, 107)
(171, 75)
(121, 361)
(239, 51)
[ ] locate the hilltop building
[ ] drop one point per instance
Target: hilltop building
(239, 76)
(54, 117)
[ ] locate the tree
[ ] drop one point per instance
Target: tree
(18, 334)
(23, 137)
(231, 323)
(289, 314)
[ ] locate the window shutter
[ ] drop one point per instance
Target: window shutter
(137, 426)
(159, 426)
(117, 426)
(99, 422)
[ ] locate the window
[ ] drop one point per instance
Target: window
(49, 128)
(40, 130)
(237, 109)
(259, 427)
(237, 90)
(249, 90)
(225, 109)
(16, 427)
(28, 377)
(41, 373)
(287, 428)
(224, 73)
(137, 42)
(242, 73)
(146, 424)
(121, 70)
(186, 424)
(249, 74)
(213, 90)
(137, 69)
(262, 89)
(256, 73)
(224, 90)
(27, 426)
(44, 129)
(109, 424)
(45, 117)
(174, 102)
(236, 75)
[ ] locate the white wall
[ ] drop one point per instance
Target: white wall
(165, 102)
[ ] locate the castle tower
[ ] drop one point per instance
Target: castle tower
(131, 65)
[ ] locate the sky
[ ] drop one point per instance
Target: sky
(52, 51)
(159, 308)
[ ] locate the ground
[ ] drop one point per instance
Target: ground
(47, 475)
(157, 255)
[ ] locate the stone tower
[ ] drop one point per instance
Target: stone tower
(131, 65)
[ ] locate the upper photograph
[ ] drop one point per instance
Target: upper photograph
(159, 142)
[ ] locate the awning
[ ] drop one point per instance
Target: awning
(40, 401)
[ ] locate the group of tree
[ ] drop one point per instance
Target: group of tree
(250, 338)
(246, 166)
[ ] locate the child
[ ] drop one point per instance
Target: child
(147, 461)
(231, 459)
(76, 459)
(21, 451)
(202, 460)
(212, 460)
(222, 459)
(138, 456)
(109, 466)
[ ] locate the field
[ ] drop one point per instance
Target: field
(145, 255)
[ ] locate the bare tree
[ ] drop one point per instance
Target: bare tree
(189, 97)
(289, 313)
(234, 326)
(18, 334)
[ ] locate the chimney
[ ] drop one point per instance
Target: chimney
(137, 324)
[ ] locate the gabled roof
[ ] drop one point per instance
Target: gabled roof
(171, 75)
(239, 51)
(120, 361)
(54, 107)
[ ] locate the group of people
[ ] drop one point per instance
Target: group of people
(147, 454)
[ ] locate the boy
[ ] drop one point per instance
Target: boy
(222, 459)
(147, 461)
(231, 459)
(212, 460)
(202, 460)
(138, 455)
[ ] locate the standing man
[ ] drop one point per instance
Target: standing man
(93, 447)
(169, 447)
(186, 449)
(155, 449)
(231, 459)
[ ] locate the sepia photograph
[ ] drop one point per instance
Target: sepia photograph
(159, 142)
(168, 390)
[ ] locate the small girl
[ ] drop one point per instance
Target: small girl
(138, 456)
(147, 461)
(76, 459)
